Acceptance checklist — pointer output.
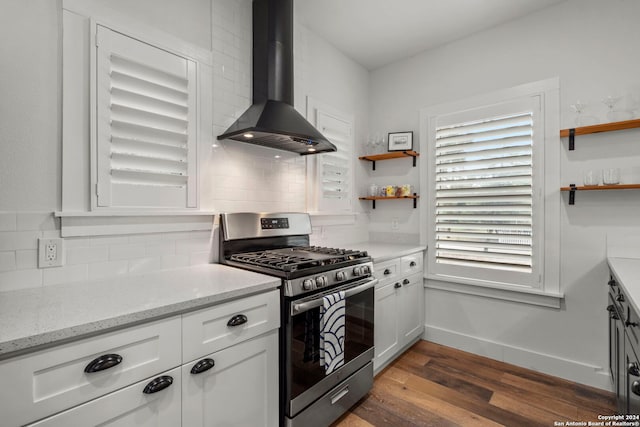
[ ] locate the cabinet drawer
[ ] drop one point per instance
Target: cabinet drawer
(411, 264)
(53, 380)
(127, 407)
(386, 271)
(209, 330)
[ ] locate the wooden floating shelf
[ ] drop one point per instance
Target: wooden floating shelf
(603, 187)
(388, 156)
(415, 198)
(572, 189)
(604, 127)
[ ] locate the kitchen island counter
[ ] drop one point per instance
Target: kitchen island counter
(33, 318)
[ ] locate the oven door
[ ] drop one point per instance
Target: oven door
(306, 379)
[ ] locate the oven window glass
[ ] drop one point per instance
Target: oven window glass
(304, 340)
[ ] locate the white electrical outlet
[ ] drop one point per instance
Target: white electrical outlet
(50, 252)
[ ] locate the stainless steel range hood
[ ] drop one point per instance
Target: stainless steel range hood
(271, 121)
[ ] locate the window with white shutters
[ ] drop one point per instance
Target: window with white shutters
(332, 172)
(485, 222)
(145, 125)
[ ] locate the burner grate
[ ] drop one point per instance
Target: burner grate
(297, 258)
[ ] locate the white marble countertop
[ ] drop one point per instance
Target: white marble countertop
(627, 274)
(32, 318)
(385, 251)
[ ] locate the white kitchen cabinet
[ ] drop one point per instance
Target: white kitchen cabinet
(398, 307)
(127, 407)
(240, 389)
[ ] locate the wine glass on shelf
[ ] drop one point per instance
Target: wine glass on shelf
(579, 108)
(614, 115)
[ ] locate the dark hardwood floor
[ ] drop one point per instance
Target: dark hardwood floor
(433, 385)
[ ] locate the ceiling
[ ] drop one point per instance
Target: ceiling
(377, 32)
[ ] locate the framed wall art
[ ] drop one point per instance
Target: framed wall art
(400, 141)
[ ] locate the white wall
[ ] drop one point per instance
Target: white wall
(235, 177)
(591, 45)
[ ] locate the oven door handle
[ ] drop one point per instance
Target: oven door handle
(308, 305)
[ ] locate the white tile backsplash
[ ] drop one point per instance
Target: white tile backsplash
(20, 279)
(7, 221)
(27, 258)
(66, 274)
(7, 261)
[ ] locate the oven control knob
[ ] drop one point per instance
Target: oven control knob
(359, 271)
(341, 275)
(365, 270)
(321, 281)
(308, 284)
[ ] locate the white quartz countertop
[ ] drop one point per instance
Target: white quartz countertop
(627, 274)
(32, 318)
(385, 251)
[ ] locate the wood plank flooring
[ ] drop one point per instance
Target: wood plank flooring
(433, 385)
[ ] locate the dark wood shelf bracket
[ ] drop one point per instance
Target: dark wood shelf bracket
(572, 194)
(572, 139)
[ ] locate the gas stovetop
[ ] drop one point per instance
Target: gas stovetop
(298, 258)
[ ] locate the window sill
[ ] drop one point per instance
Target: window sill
(108, 223)
(524, 295)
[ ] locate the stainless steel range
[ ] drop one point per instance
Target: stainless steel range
(326, 337)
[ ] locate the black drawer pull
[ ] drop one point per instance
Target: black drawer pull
(103, 362)
(237, 320)
(632, 324)
(620, 297)
(158, 384)
(387, 272)
(405, 282)
(397, 285)
(412, 264)
(632, 369)
(203, 366)
(612, 283)
(614, 316)
(635, 388)
(610, 308)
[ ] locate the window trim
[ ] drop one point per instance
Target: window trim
(548, 90)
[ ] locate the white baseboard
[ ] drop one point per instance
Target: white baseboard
(591, 375)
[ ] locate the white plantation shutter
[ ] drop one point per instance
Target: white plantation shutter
(484, 224)
(146, 125)
(335, 179)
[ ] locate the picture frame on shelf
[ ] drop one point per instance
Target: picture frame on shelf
(400, 141)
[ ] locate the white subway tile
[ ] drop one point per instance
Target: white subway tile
(50, 234)
(36, 221)
(105, 270)
(7, 221)
(174, 261)
(16, 240)
(146, 238)
(192, 245)
(76, 242)
(144, 265)
(159, 249)
(117, 240)
(87, 254)
(26, 259)
(66, 274)
(197, 258)
(7, 261)
(20, 279)
(117, 252)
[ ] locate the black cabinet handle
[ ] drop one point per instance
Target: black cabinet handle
(103, 362)
(620, 297)
(237, 320)
(632, 324)
(397, 285)
(387, 272)
(612, 283)
(610, 308)
(632, 369)
(412, 264)
(158, 384)
(614, 316)
(203, 366)
(405, 282)
(635, 388)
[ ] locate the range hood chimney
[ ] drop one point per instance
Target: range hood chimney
(271, 121)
